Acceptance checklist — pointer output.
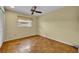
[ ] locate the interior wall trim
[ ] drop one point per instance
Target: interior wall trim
(21, 38)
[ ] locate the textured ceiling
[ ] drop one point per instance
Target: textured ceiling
(26, 9)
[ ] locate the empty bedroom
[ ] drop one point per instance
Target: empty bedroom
(39, 29)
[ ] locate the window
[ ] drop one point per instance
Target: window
(24, 21)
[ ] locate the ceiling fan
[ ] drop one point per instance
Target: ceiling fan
(33, 10)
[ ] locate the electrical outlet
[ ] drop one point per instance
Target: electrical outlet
(12, 35)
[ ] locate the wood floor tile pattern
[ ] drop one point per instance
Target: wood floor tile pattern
(36, 44)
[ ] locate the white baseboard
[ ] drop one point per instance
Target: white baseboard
(58, 40)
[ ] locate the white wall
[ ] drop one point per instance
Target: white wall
(60, 25)
(15, 32)
(78, 25)
(1, 26)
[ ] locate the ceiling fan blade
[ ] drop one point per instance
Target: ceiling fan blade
(38, 11)
(32, 13)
